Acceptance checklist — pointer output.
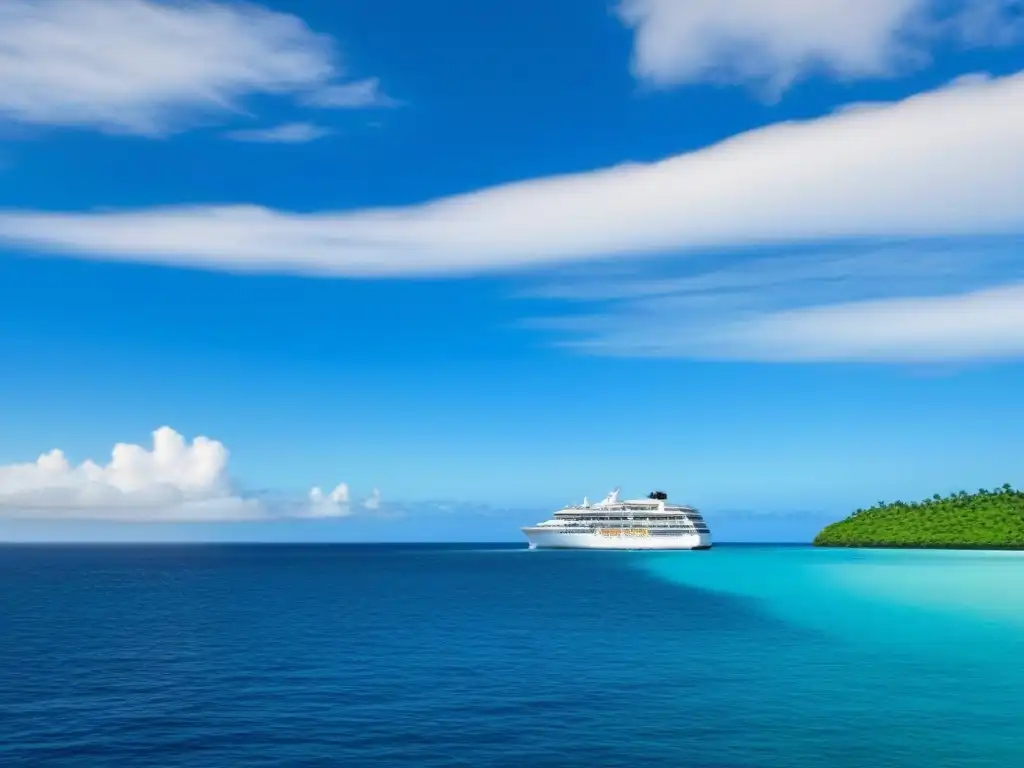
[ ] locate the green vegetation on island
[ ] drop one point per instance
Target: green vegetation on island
(982, 520)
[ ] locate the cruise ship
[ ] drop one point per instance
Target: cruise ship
(650, 523)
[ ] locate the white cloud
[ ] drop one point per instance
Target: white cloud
(775, 42)
(947, 162)
(361, 93)
(334, 504)
(986, 22)
(338, 503)
(151, 67)
(953, 303)
(288, 133)
(861, 270)
(174, 481)
(987, 324)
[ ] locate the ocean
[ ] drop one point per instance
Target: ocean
(739, 657)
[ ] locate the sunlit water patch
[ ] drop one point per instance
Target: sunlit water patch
(911, 656)
(858, 594)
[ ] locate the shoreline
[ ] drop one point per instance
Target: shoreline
(989, 520)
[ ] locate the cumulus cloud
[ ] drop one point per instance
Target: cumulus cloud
(173, 481)
(775, 42)
(946, 162)
(338, 503)
(288, 133)
(333, 504)
(151, 67)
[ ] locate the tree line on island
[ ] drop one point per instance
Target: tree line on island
(983, 520)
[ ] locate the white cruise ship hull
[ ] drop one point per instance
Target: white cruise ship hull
(549, 537)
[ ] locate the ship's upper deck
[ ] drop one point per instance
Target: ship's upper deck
(629, 506)
(655, 504)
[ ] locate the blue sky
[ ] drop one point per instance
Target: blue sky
(488, 260)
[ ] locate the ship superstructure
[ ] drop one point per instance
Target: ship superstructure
(650, 523)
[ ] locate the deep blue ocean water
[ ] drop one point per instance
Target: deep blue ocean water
(739, 657)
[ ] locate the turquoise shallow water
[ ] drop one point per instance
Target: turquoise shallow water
(741, 657)
(908, 658)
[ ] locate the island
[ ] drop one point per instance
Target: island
(983, 520)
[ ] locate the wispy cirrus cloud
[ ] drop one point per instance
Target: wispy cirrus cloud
(859, 269)
(288, 133)
(361, 93)
(774, 43)
(943, 163)
(155, 67)
(946, 301)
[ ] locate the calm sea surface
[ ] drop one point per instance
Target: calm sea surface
(740, 657)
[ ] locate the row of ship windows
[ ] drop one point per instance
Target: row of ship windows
(699, 524)
(623, 512)
(659, 518)
(653, 531)
(650, 533)
(636, 522)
